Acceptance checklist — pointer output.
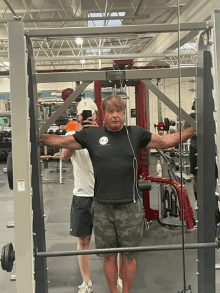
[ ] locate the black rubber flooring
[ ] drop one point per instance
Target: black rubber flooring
(157, 272)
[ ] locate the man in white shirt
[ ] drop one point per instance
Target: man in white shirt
(80, 217)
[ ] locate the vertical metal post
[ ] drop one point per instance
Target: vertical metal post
(21, 158)
(216, 71)
(206, 170)
(159, 102)
(98, 100)
(37, 199)
(142, 119)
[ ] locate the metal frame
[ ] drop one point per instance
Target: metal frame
(206, 169)
(111, 30)
(36, 182)
(21, 159)
(128, 249)
(216, 93)
(132, 74)
(169, 103)
(21, 145)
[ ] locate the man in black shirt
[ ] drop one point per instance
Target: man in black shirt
(117, 205)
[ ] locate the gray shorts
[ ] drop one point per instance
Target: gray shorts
(118, 225)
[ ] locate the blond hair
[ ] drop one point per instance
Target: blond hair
(113, 100)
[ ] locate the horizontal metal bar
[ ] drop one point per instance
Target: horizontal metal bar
(112, 56)
(5, 113)
(78, 48)
(129, 249)
(125, 29)
(67, 19)
(132, 74)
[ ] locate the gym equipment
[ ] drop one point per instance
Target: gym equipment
(165, 202)
(187, 213)
(173, 210)
(10, 170)
(3, 155)
(8, 254)
(144, 185)
(165, 125)
(7, 257)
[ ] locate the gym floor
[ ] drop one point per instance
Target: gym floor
(158, 272)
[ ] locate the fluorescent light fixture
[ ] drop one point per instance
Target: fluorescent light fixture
(79, 41)
(83, 61)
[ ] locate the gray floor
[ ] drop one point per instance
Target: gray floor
(158, 272)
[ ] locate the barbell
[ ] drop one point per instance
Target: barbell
(8, 254)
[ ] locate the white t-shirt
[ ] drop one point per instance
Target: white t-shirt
(83, 172)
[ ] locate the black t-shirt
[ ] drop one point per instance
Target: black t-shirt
(113, 160)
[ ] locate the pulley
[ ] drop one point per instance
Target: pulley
(7, 257)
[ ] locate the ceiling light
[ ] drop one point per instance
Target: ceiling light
(79, 41)
(83, 61)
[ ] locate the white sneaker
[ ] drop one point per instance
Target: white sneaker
(119, 285)
(196, 206)
(85, 288)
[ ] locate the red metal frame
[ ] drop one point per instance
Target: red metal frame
(143, 165)
(184, 202)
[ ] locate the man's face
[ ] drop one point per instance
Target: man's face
(114, 118)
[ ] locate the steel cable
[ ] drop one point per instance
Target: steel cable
(181, 160)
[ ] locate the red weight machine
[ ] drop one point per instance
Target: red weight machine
(143, 165)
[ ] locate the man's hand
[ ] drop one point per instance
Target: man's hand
(79, 127)
(186, 125)
(57, 155)
(90, 121)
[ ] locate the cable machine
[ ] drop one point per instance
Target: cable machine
(31, 269)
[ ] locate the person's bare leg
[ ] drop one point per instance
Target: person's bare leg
(128, 273)
(111, 271)
(119, 265)
(84, 260)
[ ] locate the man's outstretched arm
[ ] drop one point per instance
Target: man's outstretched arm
(169, 140)
(60, 141)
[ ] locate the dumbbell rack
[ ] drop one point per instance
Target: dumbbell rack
(5, 142)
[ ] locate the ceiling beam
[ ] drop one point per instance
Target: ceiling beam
(193, 11)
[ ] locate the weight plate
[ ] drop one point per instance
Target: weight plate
(3, 258)
(9, 261)
(66, 93)
(167, 124)
(10, 170)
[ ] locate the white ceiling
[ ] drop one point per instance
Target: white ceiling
(46, 13)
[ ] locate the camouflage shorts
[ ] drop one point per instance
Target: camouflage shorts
(118, 225)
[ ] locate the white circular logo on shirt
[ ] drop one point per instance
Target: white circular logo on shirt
(103, 140)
